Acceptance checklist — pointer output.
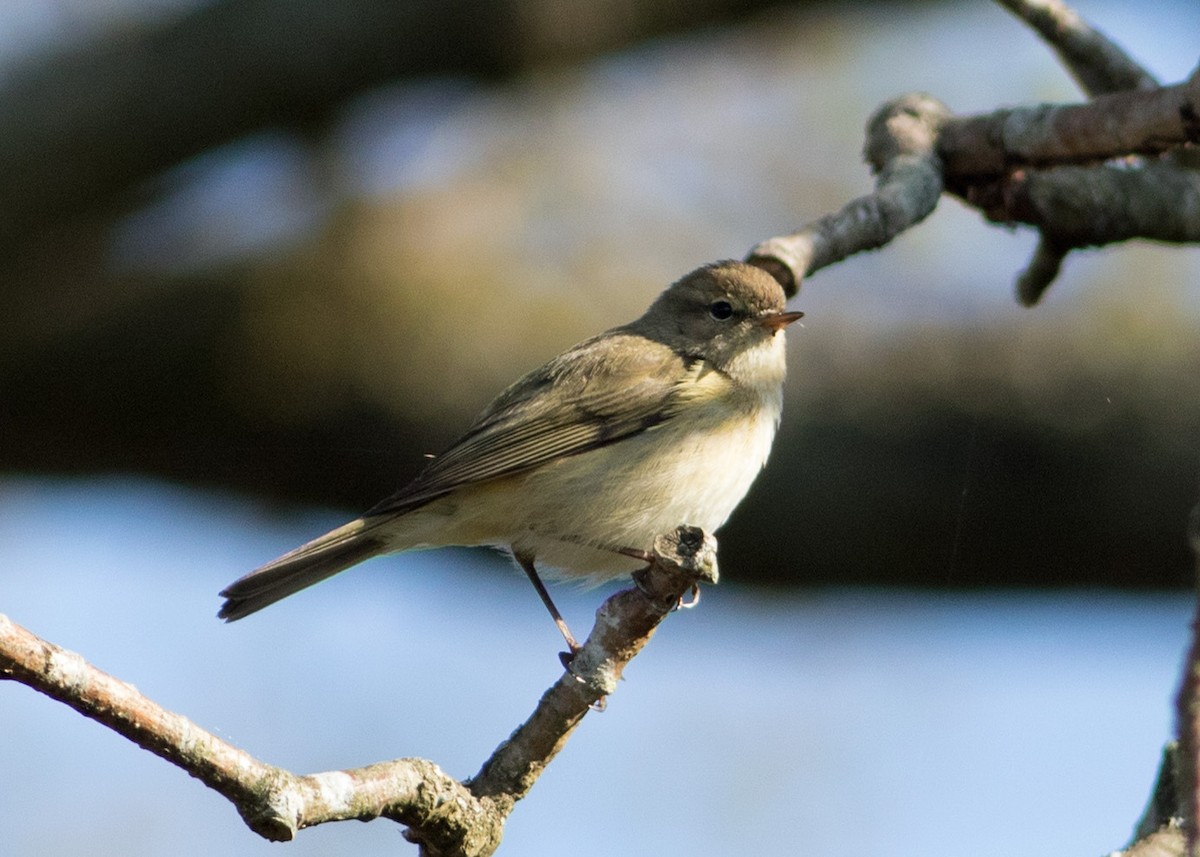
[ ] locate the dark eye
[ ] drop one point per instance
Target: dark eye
(720, 310)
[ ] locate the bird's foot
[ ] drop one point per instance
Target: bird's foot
(692, 601)
(565, 658)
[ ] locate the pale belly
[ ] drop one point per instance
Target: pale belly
(572, 515)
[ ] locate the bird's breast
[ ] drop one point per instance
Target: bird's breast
(692, 469)
(570, 514)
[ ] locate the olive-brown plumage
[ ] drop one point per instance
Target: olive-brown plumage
(663, 421)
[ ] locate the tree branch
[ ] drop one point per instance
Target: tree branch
(992, 161)
(447, 817)
(624, 624)
(1098, 64)
(1028, 165)
(901, 148)
(1082, 206)
(918, 149)
(1108, 126)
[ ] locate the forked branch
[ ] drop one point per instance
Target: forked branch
(1046, 166)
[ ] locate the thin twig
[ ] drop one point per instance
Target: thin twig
(901, 147)
(919, 150)
(1094, 60)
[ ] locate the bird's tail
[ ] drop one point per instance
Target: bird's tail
(310, 563)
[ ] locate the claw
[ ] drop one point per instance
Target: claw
(692, 602)
(568, 658)
(639, 580)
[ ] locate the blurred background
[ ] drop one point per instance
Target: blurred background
(260, 256)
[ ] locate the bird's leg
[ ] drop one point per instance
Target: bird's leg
(526, 562)
(636, 553)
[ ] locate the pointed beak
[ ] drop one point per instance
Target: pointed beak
(777, 321)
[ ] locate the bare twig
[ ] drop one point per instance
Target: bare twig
(445, 816)
(1099, 66)
(1010, 165)
(901, 148)
(1040, 272)
(1097, 63)
(274, 803)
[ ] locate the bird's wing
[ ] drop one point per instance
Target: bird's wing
(600, 391)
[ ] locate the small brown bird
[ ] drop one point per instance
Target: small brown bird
(578, 465)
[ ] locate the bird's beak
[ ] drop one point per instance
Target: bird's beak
(777, 321)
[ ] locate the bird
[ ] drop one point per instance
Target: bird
(578, 465)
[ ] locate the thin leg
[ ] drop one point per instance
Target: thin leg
(526, 562)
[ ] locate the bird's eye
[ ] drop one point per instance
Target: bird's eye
(720, 310)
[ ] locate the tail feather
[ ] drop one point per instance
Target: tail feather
(308, 564)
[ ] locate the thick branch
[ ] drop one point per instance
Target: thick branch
(446, 816)
(1099, 66)
(1090, 206)
(1108, 126)
(915, 145)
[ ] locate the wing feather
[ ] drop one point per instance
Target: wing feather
(607, 388)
